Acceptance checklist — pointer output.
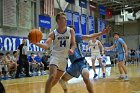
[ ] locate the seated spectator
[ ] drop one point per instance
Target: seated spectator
(137, 55)
(45, 61)
(39, 61)
(133, 52)
(15, 57)
(12, 66)
(3, 64)
(32, 63)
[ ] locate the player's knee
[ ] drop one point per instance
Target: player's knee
(85, 76)
(119, 64)
(86, 79)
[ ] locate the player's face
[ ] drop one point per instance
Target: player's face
(62, 20)
(116, 36)
(94, 39)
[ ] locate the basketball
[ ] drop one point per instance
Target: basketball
(35, 36)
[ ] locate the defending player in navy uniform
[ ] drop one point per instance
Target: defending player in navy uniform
(79, 65)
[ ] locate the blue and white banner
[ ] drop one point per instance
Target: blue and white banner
(44, 21)
(83, 24)
(102, 10)
(11, 43)
(85, 46)
(83, 3)
(76, 21)
(99, 25)
(91, 25)
(103, 27)
(69, 17)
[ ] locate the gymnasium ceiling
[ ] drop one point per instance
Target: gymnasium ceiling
(118, 5)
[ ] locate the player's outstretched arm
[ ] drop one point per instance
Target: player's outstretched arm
(95, 35)
(111, 47)
(48, 42)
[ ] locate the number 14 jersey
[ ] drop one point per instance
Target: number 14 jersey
(61, 43)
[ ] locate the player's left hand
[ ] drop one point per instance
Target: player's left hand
(71, 52)
(106, 30)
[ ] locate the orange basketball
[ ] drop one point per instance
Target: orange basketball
(35, 36)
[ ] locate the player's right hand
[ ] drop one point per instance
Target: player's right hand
(71, 52)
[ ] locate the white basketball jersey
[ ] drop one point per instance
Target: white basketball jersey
(61, 43)
(94, 46)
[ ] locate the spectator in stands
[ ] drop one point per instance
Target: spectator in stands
(3, 65)
(15, 57)
(45, 61)
(137, 55)
(133, 55)
(23, 61)
(32, 62)
(10, 63)
(39, 61)
(129, 56)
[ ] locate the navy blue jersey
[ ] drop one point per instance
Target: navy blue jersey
(78, 50)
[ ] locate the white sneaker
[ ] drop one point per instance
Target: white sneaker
(126, 78)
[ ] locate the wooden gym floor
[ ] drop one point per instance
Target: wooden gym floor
(108, 85)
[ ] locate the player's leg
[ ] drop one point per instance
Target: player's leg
(102, 66)
(72, 71)
(85, 75)
(59, 74)
(61, 64)
(93, 58)
(120, 69)
(121, 66)
(52, 75)
(63, 81)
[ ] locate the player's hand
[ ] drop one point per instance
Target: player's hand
(71, 52)
(126, 56)
(106, 30)
(103, 52)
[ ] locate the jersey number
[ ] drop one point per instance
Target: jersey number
(63, 43)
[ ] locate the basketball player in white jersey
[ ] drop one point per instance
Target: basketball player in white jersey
(63, 37)
(95, 46)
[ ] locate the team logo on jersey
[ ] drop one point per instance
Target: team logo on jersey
(63, 37)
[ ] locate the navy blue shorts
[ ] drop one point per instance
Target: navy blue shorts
(76, 68)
